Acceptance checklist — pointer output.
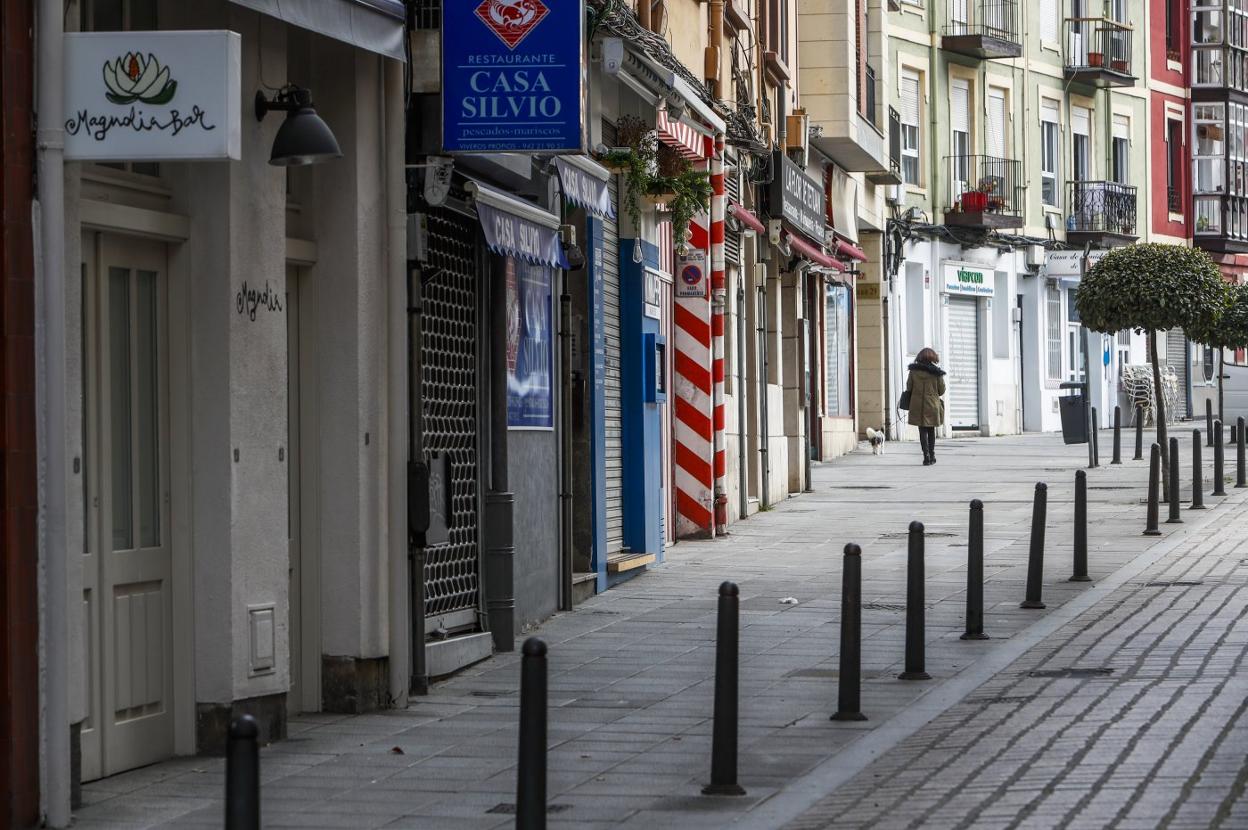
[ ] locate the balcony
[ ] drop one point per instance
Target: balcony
(847, 123)
(985, 29)
(893, 174)
(983, 192)
(1098, 52)
(1221, 223)
(1102, 213)
(1220, 176)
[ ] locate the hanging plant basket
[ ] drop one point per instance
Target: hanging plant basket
(615, 159)
(660, 199)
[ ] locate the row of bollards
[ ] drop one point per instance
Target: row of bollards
(242, 772)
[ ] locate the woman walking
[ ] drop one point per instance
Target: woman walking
(926, 386)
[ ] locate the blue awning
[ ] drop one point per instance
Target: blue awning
(375, 25)
(517, 228)
(585, 184)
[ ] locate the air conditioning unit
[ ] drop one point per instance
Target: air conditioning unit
(1035, 256)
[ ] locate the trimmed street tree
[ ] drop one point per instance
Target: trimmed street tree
(1229, 332)
(1152, 287)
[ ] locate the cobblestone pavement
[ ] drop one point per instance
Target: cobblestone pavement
(631, 673)
(1131, 716)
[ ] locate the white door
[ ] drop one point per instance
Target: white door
(128, 558)
(962, 363)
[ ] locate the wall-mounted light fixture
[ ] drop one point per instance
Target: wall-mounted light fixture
(304, 137)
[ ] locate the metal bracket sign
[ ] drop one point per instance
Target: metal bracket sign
(513, 76)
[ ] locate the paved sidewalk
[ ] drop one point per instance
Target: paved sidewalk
(1131, 716)
(631, 671)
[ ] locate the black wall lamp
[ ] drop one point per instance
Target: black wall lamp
(304, 137)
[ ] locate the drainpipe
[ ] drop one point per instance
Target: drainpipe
(711, 70)
(500, 550)
(49, 220)
(397, 377)
(743, 473)
(764, 429)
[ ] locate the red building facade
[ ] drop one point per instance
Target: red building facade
(1170, 119)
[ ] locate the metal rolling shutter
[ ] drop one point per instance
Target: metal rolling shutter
(963, 363)
(1176, 359)
(613, 422)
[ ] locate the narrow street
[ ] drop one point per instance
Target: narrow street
(1122, 701)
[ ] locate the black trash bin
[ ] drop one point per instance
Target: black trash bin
(1074, 415)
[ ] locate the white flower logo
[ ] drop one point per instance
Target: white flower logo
(135, 77)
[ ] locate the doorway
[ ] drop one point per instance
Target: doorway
(128, 555)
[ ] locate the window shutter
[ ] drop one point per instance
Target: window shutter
(910, 98)
(996, 123)
(1122, 127)
(1080, 121)
(960, 106)
(1048, 20)
(1048, 112)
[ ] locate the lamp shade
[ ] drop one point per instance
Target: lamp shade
(304, 138)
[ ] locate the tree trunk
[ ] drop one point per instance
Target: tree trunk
(1159, 413)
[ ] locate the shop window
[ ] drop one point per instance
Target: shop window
(1001, 324)
(1053, 331)
(914, 307)
(837, 340)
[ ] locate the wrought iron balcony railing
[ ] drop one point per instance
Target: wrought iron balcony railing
(983, 191)
(1098, 51)
(1101, 208)
(983, 28)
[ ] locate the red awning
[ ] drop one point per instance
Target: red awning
(801, 246)
(850, 251)
(746, 218)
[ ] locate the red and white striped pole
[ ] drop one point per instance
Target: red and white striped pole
(718, 297)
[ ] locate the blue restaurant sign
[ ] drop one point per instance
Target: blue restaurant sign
(513, 76)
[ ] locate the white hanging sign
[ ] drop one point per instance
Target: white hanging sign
(159, 96)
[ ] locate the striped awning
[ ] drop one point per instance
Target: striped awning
(691, 143)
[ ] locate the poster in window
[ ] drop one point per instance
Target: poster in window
(530, 346)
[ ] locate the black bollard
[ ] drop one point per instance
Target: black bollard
(914, 607)
(242, 775)
(1117, 459)
(1035, 556)
(1240, 479)
(975, 575)
(1154, 490)
(1095, 437)
(531, 773)
(1081, 528)
(1198, 483)
(1173, 477)
(1139, 433)
(724, 731)
(1209, 419)
(849, 686)
(1219, 461)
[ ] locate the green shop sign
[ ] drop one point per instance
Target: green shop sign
(965, 279)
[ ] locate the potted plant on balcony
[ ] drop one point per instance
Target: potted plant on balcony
(974, 201)
(635, 160)
(670, 165)
(1118, 65)
(1096, 58)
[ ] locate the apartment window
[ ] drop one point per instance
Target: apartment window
(1174, 12)
(996, 145)
(1122, 149)
(778, 28)
(960, 119)
(1050, 152)
(911, 170)
(837, 341)
(1053, 330)
(1081, 144)
(1174, 164)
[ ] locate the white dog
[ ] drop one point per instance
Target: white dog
(876, 439)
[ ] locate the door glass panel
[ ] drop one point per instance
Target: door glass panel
(147, 365)
(119, 407)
